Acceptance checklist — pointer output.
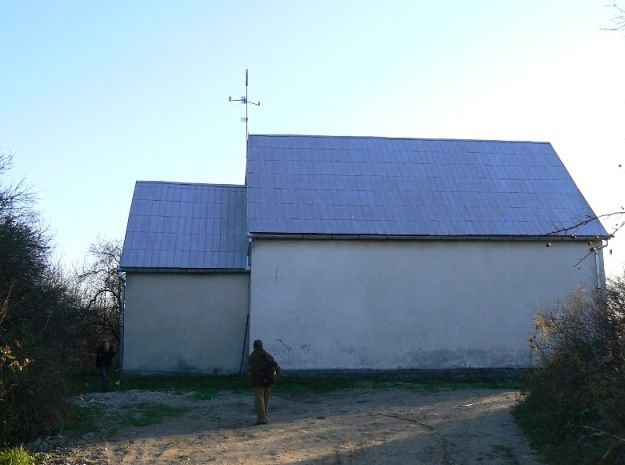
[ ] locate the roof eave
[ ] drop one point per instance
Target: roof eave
(139, 269)
(400, 237)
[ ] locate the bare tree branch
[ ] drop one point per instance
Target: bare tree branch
(588, 220)
(101, 286)
(99, 293)
(618, 19)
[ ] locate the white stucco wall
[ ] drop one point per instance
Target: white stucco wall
(407, 304)
(185, 322)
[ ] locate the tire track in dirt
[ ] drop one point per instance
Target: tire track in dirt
(444, 446)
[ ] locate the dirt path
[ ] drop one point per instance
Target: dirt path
(361, 426)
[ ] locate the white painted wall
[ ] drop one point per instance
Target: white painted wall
(185, 322)
(407, 304)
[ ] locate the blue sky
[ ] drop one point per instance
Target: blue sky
(97, 95)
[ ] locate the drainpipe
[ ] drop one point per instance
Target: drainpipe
(122, 277)
(597, 269)
(249, 301)
(598, 262)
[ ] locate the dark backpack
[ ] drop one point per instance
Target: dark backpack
(270, 373)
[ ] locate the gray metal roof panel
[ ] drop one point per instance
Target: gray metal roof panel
(186, 226)
(325, 185)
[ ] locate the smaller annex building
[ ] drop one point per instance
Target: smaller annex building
(187, 278)
(356, 253)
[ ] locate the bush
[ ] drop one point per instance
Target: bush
(577, 390)
(39, 322)
(35, 356)
(33, 402)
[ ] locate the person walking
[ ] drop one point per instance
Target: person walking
(104, 363)
(265, 370)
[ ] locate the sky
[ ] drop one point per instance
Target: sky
(97, 95)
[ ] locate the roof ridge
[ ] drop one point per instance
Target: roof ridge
(204, 184)
(436, 139)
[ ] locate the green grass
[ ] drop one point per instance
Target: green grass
(506, 453)
(305, 386)
(16, 456)
(146, 414)
(84, 420)
(204, 386)
(440, 384)
(81, 420)
(207, 386)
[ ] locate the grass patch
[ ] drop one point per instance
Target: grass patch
(146, 414)
(82, 420)
(92, 419)
(305, 386)
(328, 384)
(16, 456)
(442, 384)
(561, 446)
(207, 386)
(506, 453)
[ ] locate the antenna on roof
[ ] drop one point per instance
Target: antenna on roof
(244, 100)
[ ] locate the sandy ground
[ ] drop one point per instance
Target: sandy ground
(361, 426)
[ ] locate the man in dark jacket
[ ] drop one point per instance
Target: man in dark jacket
(104, 363)
(264, 368)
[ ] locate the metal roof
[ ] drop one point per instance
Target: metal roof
(186, 226)
(410, 187)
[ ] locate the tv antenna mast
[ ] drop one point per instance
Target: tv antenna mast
(244, 100)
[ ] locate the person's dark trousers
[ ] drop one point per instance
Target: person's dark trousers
(105, 375)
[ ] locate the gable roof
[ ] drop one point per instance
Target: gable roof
(329, 185)
(186, 226)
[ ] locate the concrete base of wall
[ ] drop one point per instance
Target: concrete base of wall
(458, 374)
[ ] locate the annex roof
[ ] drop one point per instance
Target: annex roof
(375, 186)
(186, 227)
